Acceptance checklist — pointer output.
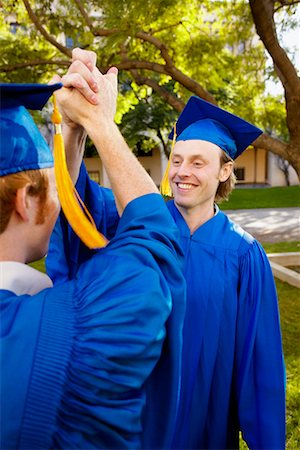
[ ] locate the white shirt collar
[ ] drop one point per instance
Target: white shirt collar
(22, 279)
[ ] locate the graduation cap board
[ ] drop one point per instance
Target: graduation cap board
(22, 147)
(201, 120)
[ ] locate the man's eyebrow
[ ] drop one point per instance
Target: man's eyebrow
(191, 157)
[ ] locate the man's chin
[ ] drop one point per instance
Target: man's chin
(182, 203)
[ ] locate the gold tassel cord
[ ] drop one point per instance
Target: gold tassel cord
(165, 188)
(72, 205)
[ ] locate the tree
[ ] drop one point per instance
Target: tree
(207, 48)
(144, 125)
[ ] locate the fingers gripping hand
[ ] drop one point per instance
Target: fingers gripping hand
(72, 99)
(79, 76)
(84, 78)
(108, 91)
(89, 59)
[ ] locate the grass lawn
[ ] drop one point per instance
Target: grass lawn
(289, 304)
(281, 247)
(275, 197)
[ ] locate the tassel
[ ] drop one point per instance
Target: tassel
(73, 207)
(165, 188)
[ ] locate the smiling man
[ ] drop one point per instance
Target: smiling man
(232, 367)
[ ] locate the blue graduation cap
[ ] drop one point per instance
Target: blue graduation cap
(22, 147)
(204, 121)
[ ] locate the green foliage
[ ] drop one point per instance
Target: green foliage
(276, 197)
(272, 117)
(151, 113)
(290, 325)
(211, 43)
(39, 265)
(288, 297)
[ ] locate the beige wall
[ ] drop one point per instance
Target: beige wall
(153, 165)
(259, 167)
(254, 162)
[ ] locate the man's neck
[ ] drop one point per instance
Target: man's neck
(196, 217)
(11, 249)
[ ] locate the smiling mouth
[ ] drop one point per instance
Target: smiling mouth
(185, 186)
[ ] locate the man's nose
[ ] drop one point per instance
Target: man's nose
(183, 170)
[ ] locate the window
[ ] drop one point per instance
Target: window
(240, 173)
(141, 152)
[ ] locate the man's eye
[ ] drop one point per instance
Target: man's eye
(176, 162)
(198, 164)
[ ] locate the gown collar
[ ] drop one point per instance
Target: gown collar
(22, 279)
(201, 230)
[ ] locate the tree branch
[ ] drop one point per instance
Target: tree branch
(168, 69)
(174, 73)
(42, 30)
(174, 25)
(88, 21)
(285, 3)
(170, 98)
(263, 16)
(158, 44)
(39, 62)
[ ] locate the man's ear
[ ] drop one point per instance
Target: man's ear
(225, 171)
(22, 204)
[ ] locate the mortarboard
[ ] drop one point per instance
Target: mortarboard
(207, 122)
(22, 147)
(201, 120)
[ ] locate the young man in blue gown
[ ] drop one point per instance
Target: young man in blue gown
(232, 367)
(76, 357)
(233, 372)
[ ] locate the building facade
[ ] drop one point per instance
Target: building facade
(254, 167)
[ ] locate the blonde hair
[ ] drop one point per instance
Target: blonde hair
(225, 187)
(9, 185)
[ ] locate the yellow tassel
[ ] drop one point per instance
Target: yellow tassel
(73, 207)
(165, 188)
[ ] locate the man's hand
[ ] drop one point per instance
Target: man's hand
(76, 102)
(83, 78)
(79, 76)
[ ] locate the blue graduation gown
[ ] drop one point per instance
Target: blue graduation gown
(75, 357)
(232, 367)
(232, 370)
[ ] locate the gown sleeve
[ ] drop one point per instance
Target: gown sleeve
(94, 341)
(260, 374)
(121, 329)
(66, 251)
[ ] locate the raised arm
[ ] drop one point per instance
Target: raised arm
(127, 177)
